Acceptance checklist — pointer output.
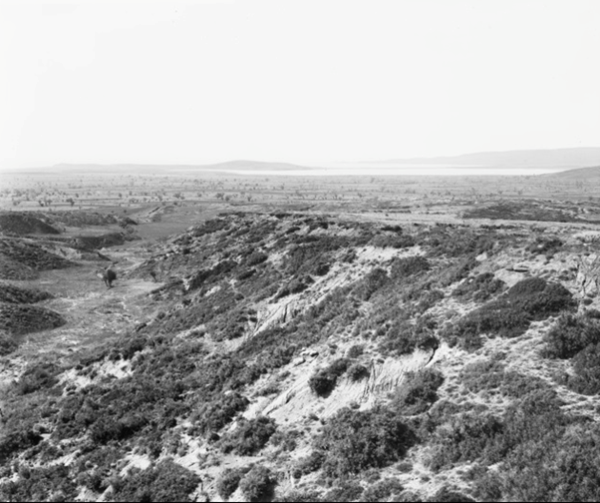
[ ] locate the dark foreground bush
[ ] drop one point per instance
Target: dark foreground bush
(258, 483)
(353, 441)
(546, 453)
(167, 481)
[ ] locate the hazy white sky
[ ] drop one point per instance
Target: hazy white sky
(299, 81)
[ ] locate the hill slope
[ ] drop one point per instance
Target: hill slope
(309, 357)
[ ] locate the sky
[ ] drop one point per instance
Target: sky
(310, 82)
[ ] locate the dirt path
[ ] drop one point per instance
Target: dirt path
(94, 313)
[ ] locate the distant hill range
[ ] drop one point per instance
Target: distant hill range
(160, 168)
(556, 158)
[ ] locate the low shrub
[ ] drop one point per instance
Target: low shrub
(586, 365)
(357, 371)
(308, 464)
(300, 496)
(355, 351)
(52, 483)
(353, 441)
(258, 483)
(491, 376)
(374, 281)
(510, 315)
(570, 334)
(286, 440)
(228, 481)
(545, 245)
(16, 441)
(408, 266)
(324, 380)
(448, 494)
(166, 481)
(256, 258)
(7, 344)
(345, 491)
(479, 288)
(382, 490)
(214, 415)
(249, 437)
(38, 376)
(392, 241)
(419, 391)
(296, 285)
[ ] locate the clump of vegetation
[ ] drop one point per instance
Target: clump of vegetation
(214, 415)
(448, 494)
(408, 266)
(296, 285)
(353, 441)
(357, 371)
(228, 482)
(308, 464)
(258, 483)
(355, 351)
(256, 258)
(547, 245)
(17, 295)
(546, 454)
(324, 380)
(570, 334)
(419, 391)
(402, 336)
(38, 376)
(41, 484)
(510, 315)
(7, 344)
(491, 376)
(395, 240)
(586, 365)
(525, 210)
(286, 440)
(479, 288)
(371, 283)
(346, 490)
(166, 481)
(382, 490)
(249, 437)
(23, 318)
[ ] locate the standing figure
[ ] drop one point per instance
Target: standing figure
(108, 275)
